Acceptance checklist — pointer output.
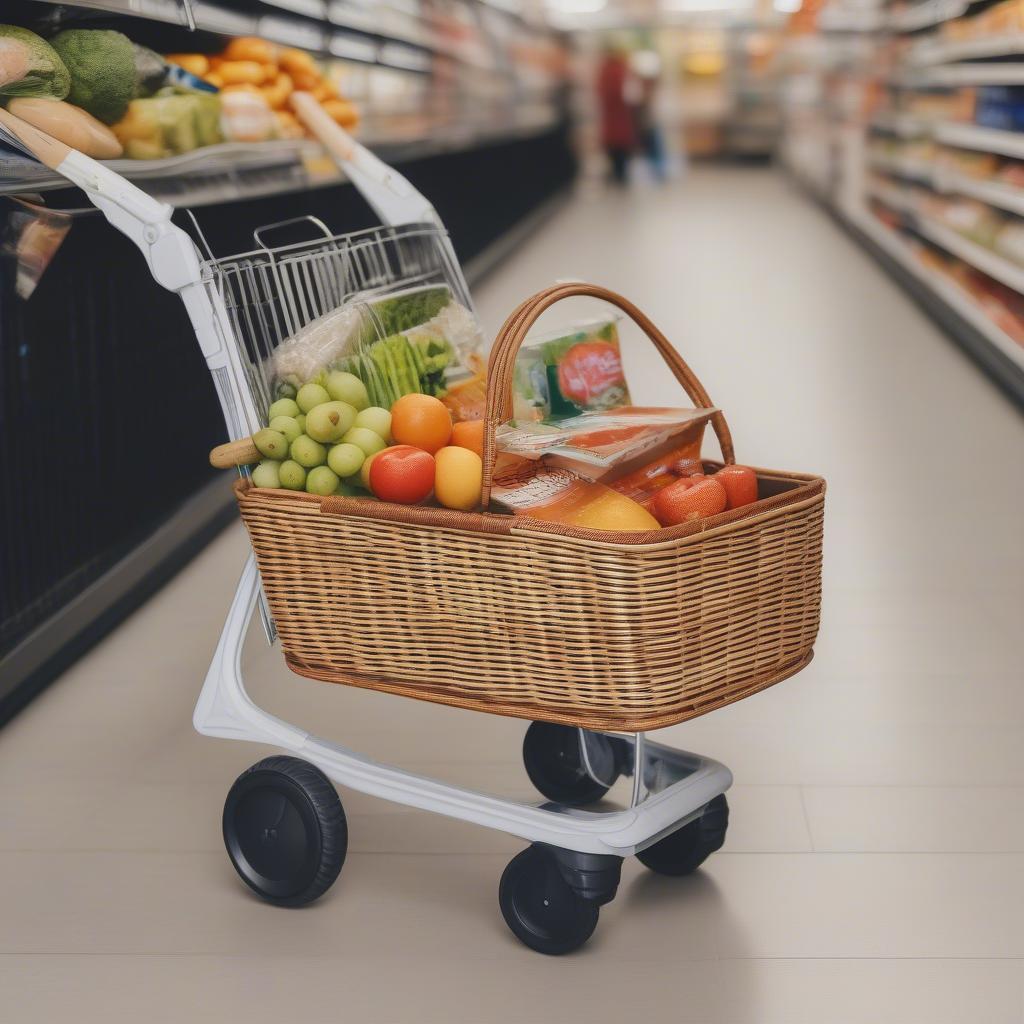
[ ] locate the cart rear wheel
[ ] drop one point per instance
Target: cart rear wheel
(551, 754)
(684, 850)
(285, 830)
(541, 908)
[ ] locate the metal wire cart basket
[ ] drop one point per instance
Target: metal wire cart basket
(284, 826)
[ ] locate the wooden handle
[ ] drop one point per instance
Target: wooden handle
(44, 147)
(242, 452)
(325, 129)
(501, 366)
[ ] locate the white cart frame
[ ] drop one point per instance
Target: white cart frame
(670, 787)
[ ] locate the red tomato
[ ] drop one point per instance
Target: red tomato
(403, 474)
(686, 500)
(588, 370)
(740, 483)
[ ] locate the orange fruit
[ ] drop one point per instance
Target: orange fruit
(469, 434)
(740, 483)
(458, 478)
(421, 421)
(686, 500)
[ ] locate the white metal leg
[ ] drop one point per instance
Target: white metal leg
(225, 709)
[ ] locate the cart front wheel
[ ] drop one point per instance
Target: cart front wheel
(541, 908)
(684, 850)
(554, 762)
(285, 830)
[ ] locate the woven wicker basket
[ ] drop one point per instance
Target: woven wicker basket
(622, 631)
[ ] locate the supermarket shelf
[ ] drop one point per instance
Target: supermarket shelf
(978, 73)
(906, 126)
(987, 140)
(964, 318)
(1006, 197)
(927, 14)
(326, 28)
(943, 51)
(231, 171)
(904, 167)
(985, 260)
(892, 197)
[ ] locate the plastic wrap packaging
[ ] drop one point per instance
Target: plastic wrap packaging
(416, 340)
(582, 371)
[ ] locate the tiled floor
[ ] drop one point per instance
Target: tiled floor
(874, 869)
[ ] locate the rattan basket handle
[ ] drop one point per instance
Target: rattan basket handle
(501, 366)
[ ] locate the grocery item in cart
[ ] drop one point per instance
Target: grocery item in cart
(557, 495)
(412, 341)
(594, 443)
(582, 370)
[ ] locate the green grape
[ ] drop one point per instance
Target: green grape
(329, 421)
(376, 419)
(348, 490)
(283, 407)
(347, 387)
(310, 396)
(322, 480)
(267, 474)
(346, 459)
(301, 420)
(286, 425)
(271, 443)
(362, 437)
(292, 475)
(307, 452)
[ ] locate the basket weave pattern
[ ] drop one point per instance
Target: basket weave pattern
(618, 631)
(539, 625)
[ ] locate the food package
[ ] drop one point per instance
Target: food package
(170, 123)
(415, 340)
(583, 369)
(595, 443)
(558, 496)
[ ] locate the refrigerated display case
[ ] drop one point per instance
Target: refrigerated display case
(467, 100)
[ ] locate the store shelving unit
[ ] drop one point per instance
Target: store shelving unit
(909, 155)
(472, 110)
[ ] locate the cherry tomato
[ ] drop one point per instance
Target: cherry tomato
(402, 474)
(740, 483)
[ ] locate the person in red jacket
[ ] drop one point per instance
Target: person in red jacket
(618, 131)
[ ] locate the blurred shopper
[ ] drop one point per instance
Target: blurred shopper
(618, 134)
(645, 86)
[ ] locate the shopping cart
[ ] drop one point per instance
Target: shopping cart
(284, 826)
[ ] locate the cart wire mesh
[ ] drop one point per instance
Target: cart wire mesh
(271, 293)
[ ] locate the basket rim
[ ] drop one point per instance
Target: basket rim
(807, 490)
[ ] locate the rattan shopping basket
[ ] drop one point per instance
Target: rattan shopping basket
(617, 631)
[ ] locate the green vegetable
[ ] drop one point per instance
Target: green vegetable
(101, 63)
(150, 70)
(30, 66)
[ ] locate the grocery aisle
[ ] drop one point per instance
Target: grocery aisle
(874, 868)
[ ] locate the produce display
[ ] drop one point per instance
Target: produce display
(97, 90)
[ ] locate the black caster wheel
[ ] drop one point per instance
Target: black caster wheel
(684, 850)
(551, 754)
(540, 907)
(285, 830)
